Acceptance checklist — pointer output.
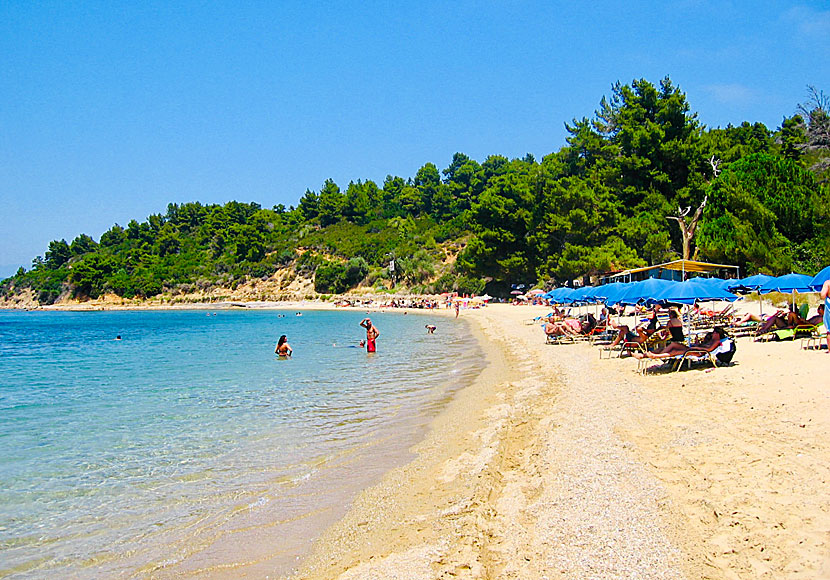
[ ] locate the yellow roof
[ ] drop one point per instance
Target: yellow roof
(680, 265)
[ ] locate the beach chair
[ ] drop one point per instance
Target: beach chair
(743, 330)
(559, 339)
(590, 335)
(676, 363)
(601, 335)
(653, 342)
(720, 356)
(800, 331)
(724, 316)
(815, 341)
(694, 356)
(537, 319)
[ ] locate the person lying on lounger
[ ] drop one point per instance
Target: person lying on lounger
(781, 320)
(748, 317)
(640, 333)
(571, 326)
(710, 342)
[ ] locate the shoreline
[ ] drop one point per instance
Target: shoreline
(553, 463)
(261, 530)
(556, 464)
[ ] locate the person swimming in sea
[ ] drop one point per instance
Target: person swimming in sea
(430, 328)
(283, 349)
(361, 344)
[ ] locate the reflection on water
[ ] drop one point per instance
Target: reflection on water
(183, 444)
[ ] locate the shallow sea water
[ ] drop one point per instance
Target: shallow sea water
(188, 447)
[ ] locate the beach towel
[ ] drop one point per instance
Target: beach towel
(725, 351)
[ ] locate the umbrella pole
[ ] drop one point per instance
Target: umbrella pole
(684, 319)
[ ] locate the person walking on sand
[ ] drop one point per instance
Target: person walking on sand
(283, 349)
(825, 295)
(371, 334)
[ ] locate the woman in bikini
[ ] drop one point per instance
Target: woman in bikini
(283, 349)
(711, 342)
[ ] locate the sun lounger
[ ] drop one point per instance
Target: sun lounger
(800, 331)
(722, 354)
(746, 329)
(602, 335)
(559, 339)
(815, 341)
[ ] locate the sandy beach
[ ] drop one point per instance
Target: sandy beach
(556, 464)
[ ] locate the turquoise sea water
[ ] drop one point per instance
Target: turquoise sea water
(188, 445)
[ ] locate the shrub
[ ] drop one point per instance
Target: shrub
(337, 277)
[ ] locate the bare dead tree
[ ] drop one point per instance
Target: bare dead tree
(715, 163)
(816, 114)
(688, 228)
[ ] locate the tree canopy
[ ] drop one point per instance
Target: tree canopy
(598, 204)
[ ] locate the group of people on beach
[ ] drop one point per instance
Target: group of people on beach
(672, 334)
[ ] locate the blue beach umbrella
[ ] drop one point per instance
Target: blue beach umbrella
(787, 284)
(819, 279)
(559, 295)
(692, 291)
(712, 282)
(608, 292)
(583, 295)
(643, 291)
(749, 284)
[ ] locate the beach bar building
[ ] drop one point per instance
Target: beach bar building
(676, 270)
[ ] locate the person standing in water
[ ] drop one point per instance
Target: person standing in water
(371, 334)
(283, 348)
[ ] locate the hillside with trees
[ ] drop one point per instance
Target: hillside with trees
(600, 203)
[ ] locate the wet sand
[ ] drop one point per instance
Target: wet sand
(555, 464)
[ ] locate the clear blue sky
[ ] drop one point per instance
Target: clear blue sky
(111, 110)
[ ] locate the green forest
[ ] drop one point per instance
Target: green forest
(601, 203)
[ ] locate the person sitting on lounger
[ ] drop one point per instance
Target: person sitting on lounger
(653, 323)
(640, 334)
(587, 323)
(710, 342)
(624, 334)
(775, 321)
(780, 321)
(675, 329)
(818, 318)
